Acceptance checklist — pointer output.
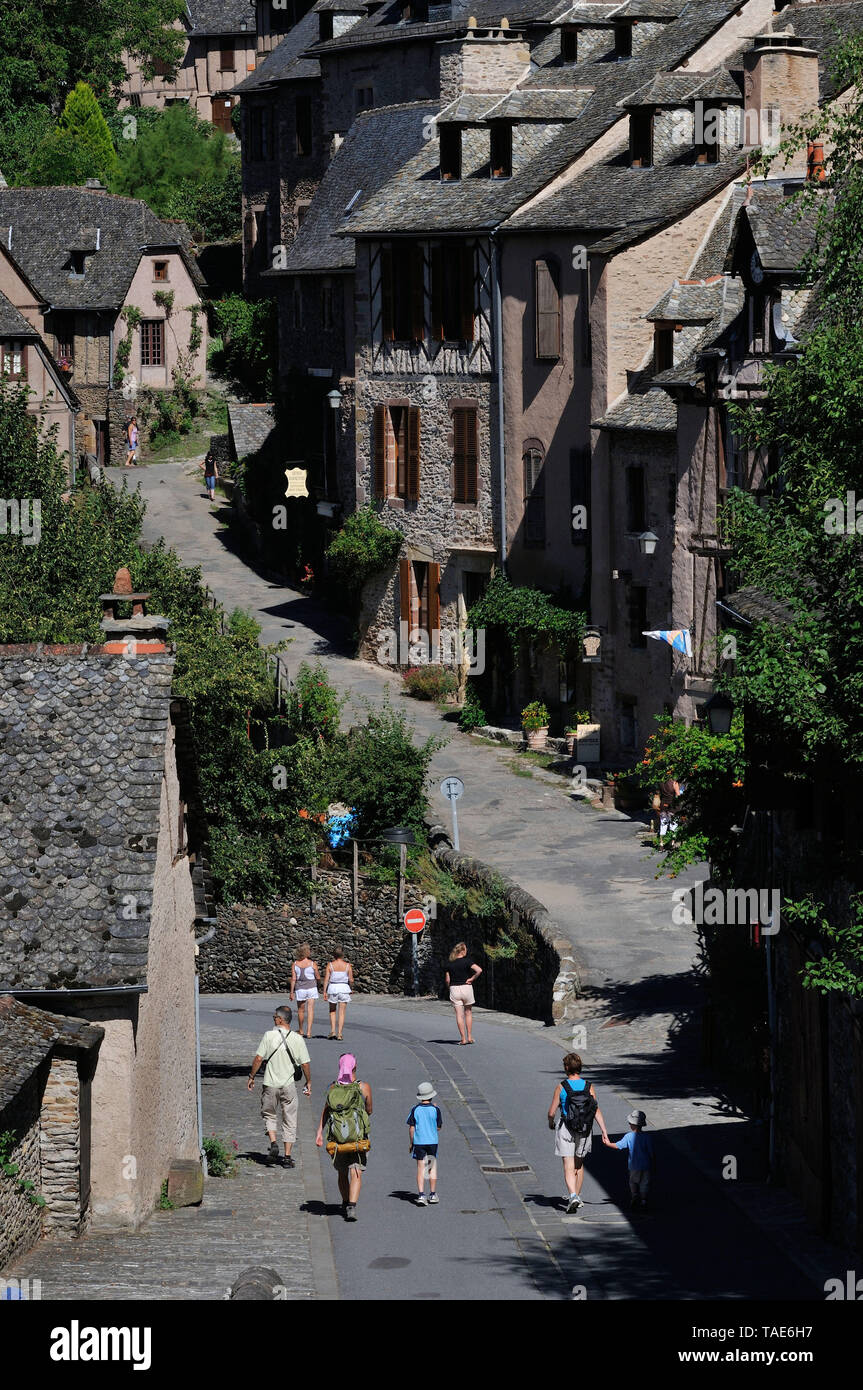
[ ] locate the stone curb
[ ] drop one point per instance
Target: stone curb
(567, 985)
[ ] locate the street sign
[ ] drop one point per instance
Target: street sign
(415, 920)
(452, 788)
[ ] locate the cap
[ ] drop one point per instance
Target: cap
(637, 1117)
(426, 1091)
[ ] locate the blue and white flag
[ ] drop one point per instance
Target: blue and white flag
(677, 637)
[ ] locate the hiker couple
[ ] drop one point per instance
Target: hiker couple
(573, 1109)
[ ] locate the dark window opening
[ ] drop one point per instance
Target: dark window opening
(302, 209)
(672, 494)
(761, 323)
(160, 270)
(628, 724)
(453, 293)
(260, 128)
(663, 347)
(402, 292)
(465, 455)
(325, 25)
(262, 249)
(534, 497)
(328, 314)
(228, 59)
(623, 40)
(77, 263)
(364, 97)
(579, 495)
(152, 342)
(161, 68)
(450, 151)
(500, 159)
(569, 43)
(635, 500)
(547, 309)
(473, 585)
(707, 147)
(64, 334)
(637, 606)
(303, 121)
(641, 138)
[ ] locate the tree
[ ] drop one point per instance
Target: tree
(80, 147)
(173, 148)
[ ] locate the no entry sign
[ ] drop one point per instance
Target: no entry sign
(415, 920)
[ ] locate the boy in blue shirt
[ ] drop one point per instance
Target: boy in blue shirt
(423, 1122)
(642, 1159)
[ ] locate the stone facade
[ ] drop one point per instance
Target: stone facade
(20, 1220)
(60, 1150)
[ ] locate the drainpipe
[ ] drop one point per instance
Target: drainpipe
(498, 352)
(199, 941)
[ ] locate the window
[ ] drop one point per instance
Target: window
(707, 126)
(635, 500)
(547, 309)
(637, 606)
(628, 723)
(303, 123)
(641, 138)
(161, 68)
(160, 270)
(328, 316)
(533, 460)
(663, 347)
(500, 159)
(302, 209)
(473, 585)
(453, 293)
(14, 358)
(259, 144)
(402, 292)
(262, 249)
(623, 40)
(465, 456)
(450, 151)
(364, 97)
(135, 99)
(77, 264)
(325, 25)
(672, 494)
(227, 60)
(579, 494)
(569, 43)
(64, 338)
(760, 323)
(416, 11)
(397, 452)
(152, 342)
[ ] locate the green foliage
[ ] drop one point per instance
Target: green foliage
(534, 716)
(132, 318)
(361, 549)
(8, 1141)
(839, 966)
(514, 614)
(211, 208)
(80, 146)
(221, 1156)
(382, 772)
(175, 162)
(710, 768)
(430, 682)
(22, 131)
(314, 707)
(247, 357)
(472, 714)
(164, 1203)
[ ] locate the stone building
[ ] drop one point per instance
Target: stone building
(25, 360)
(75, 259)
(98, 829)
(46, 1068)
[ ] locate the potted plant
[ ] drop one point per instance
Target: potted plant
(570, 732)
(534, 723)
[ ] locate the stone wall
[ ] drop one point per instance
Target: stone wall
(20, 1221)
(60, 1149)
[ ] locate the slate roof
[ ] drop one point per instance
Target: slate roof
(540, 104)
(28, 1036)
(12, 322)
(729, 295)
(644, 407)
(688, 301)
(221, 16)
(47, 223)
(753, 606)
(82, 750)
(782, 228)
(680, 88)
(823, 27)
(251, 427)
(378, 138)
(286, 63)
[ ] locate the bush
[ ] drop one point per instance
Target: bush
(314, 707)
(247, 330)
(221, 1156)
(472, 715)
(430, 682)
(361, 549)
(534, 716)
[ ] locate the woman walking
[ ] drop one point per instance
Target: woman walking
(211, 473)
(132, 440)
(460, 977)
(338, 984)
(305, 978)
(571, 1115)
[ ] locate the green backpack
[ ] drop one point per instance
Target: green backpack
(348, 1121)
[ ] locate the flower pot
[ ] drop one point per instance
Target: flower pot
(535, 738)
(570, 744)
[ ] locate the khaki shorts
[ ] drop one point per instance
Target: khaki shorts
(282, 1100)
(346, 1162)
(460, 995)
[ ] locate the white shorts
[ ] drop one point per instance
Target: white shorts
(567, 1147)
(338, 994)
(304, 994)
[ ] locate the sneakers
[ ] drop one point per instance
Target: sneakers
(351, 1211)
(433, 1199)
(573, 1202)
(422, 1200)
(287, 1162)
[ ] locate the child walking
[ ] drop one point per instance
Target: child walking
(642, 1158)
(423, 1122)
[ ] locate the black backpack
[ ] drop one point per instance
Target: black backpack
(579, 1108)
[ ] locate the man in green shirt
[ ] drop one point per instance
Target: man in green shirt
(281, 1052)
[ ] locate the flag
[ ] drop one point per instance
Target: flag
(677, 637)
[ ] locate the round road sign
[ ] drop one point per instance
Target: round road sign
(452, 788)
(415, 920)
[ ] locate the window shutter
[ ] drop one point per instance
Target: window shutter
(380, 444)
(466, 288)
(437, 293)
(413, 488)
(472, 464)
(434, 597)
(547, 313)
(459, 455)
(417, 293)
(405, 591)
(388, 325)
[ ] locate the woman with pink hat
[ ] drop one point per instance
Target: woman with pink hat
(346, 1114)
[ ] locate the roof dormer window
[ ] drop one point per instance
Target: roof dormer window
(663, 347)
(500, 156)
(77, 264)
(622, 41)
(569, 43)
(325, 25)
(707, 126)
(450, 151)
(641, 137)
(415, 12)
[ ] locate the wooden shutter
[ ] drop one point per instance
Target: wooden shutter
(417, 293)
(388, 323)
(466, 293)
(547, 312)
(465, 455)
(380, 448)
(413, 487)
(399, 417)
(434, 597)
(405, 591)
(437, 293)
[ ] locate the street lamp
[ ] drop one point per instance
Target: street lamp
(719, 710)
(647, 542)
(335, 399)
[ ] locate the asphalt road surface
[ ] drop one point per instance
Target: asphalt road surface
(499, 1231)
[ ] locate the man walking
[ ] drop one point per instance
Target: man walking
(286, 1058)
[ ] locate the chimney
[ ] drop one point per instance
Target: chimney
(142, 634)
(780, 89)
(482, 61)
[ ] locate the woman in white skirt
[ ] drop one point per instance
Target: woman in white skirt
(338, 984)
(573, 1151)
(305, 978)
